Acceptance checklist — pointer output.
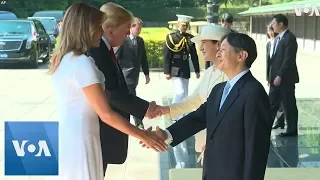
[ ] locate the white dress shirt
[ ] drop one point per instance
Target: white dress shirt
(271, 47)
(106, 42)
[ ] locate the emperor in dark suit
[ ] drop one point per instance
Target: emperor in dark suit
(283, 75)
(131, 56)
(236, 115)
(176, 51)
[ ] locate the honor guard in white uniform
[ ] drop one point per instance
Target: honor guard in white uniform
(178, 49)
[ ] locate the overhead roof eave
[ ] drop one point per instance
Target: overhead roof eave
(267, 13)
(278, 8)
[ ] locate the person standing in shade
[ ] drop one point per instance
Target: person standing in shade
(131, 56)
(177, 50)
(283, 75)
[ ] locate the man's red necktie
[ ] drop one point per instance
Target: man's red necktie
(114, 56)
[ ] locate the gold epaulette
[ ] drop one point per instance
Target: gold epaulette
(176, 47)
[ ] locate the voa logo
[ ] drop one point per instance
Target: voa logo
(307, 9)
(31, 148)
(41, 148)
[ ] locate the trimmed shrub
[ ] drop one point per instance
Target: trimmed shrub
(154, 49)
(154, 40)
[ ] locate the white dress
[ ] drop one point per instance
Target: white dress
(80, 156)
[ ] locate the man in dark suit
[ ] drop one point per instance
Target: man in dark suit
(131, 56)
(114, 143)
(271, 35)
(283, 75)
(236, 115)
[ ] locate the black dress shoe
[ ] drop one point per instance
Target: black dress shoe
(289, 134)
(278, 126)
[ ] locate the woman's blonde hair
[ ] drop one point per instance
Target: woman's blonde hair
(80, 22)
(116, 15)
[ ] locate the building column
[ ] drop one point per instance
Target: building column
(212, 11)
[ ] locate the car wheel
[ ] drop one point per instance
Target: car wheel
(34, 62)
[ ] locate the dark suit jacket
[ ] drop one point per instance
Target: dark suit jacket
(268, 60)
(173, 60)
(131, 57)
(238, 137)
(283, 62)
(115, 143)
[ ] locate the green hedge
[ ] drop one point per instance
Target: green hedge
(154, 53)
(154, 39)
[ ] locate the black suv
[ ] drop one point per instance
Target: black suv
(24, 41)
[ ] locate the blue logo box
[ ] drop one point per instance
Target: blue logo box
(31, 148)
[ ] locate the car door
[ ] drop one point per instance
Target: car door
(43, 37)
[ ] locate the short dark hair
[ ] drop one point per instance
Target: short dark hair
(280, 18)
(226, 17)
(243, 42)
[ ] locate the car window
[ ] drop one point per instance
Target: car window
(7, 16)
(48, 24)
(40, 28)
(15, 27)
(57, 15)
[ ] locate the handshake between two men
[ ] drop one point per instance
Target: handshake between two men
(155, 110)
(155, 139)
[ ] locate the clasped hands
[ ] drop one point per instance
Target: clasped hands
(154, 139)
(155, 110)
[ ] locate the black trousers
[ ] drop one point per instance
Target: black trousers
(284, 96)
(132, 89)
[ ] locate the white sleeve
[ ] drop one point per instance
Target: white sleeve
(86, 72)
(170, 138)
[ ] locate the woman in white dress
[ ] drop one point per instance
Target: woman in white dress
(78, 86)
(209, 40)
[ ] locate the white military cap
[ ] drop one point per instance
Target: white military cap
(184, 18)
(211, 32)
